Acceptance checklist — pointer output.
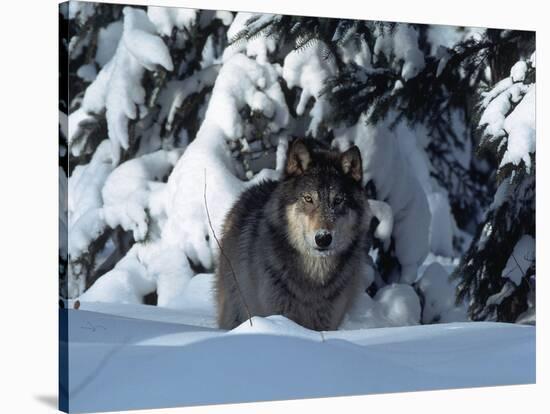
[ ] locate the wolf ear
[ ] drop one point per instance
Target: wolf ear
(351, 163)
(298, 158)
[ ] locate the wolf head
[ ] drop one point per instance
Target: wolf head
(325, 203)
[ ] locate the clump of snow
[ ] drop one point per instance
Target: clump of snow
(81, 10)
(443, 55)
(87, 72)
(127, 193)
(166, 18)
(128, 282)
(521, 259)
(509, 115)
(197, 298)
(521, 128)
(274, 325)
(118, 88)
(449, 36)
(258, 47)
(308, 69)
(107, 40)
(180, 90)
(393, 305)
(442, 226)
(85, 200)
(518, 71)
(400, 304)
(396, 184)
(495, 113)
(76, 120)
(403, 45)
(439, 294)
(497, 298)
(357, 52)
(383, 212)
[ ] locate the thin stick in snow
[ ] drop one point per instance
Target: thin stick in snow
(223, 253)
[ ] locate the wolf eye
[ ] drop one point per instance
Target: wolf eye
(338, 200)
(308, 199)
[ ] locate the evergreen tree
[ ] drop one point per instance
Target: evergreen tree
(163, 103)
(497, 273)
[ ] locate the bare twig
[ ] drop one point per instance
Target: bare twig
(223, 253)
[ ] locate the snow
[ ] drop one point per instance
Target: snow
(443, 55)
(161, 362)
(308, 69)
(496, 111)
(439, 296)
(128, 191)
(412, 143)
(518, 71)
(383, 212)
(442, 226)
(128, 282)
(81, 10)
(107, 41)
(168, 18)
(209, 155)
(521, 128)
(180, 90)
(521, 259)
(449, 36)
(259, 47)
(403, 45)
(118, 87)
(356, 52)
(397, 185)
(87, 72)
(85, 201)
(393, 305)
(169, 221)
(509, 113)
(76, 120)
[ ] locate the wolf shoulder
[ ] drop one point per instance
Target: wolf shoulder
(252, 200)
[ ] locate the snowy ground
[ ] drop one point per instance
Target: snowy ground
(124, 356)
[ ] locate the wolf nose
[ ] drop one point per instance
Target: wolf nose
(323, 239)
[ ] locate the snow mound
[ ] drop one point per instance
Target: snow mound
(275, 325)
(393, 305)
(439, 296)
(114, 356)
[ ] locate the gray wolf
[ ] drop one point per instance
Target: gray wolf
(296, 246)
